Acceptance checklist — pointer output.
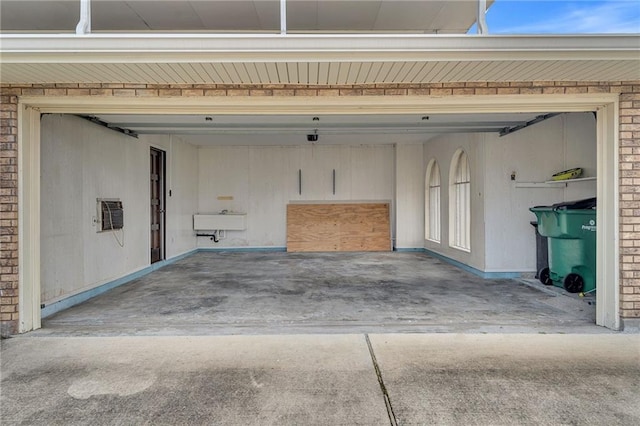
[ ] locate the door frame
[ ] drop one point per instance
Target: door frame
(163, 204)
(604, 104)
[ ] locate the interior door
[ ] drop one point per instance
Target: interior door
(157, 204)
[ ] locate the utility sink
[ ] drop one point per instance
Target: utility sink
(227, 221)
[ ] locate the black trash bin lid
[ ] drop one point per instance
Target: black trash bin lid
(587, 203)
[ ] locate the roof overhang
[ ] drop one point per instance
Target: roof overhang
(318, 59)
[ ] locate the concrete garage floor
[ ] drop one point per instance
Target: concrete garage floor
(218, 293)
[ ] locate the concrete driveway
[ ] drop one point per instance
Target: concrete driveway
(381, 379)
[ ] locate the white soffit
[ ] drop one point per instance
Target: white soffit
(315, 59)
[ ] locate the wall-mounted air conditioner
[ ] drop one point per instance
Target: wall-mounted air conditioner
(110, 214)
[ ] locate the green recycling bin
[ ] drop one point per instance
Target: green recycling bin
(571, 231)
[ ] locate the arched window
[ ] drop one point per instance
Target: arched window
(432, 202)
(460, 202)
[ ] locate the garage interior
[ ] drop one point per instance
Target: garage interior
(250, 168)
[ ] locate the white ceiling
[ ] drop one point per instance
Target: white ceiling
(424, 16)
(286, 129)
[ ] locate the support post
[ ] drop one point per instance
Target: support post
(84, 24)
(283, 17)
(481, 19)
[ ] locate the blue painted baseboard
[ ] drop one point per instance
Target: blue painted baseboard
(482, 274)
(60, 305)
(76, 299)
(244, 249)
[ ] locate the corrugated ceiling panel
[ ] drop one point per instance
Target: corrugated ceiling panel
(332, 75)
(363, 72)
(209, 72)
(479, 70)
(283, 73)
(384, 72)
(531, 70)
(514, 69)
(242, 73)
(605, 68)
(393, 72)
(374, 71)
(176, 72)
(323, 73)
(222, 72)
(272, 71)
(444, 72)
(568, 71)
(313, 72)
(435, 69)
(292, 70)
(161, 73)
(254, 74)
(139, 73)
(410, 70)
(21, 72)
(303, 72)
(343, 72)
(354, 70)
(624, 71)
(466, 68)
(232, 73)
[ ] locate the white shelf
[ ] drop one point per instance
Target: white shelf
(551, 183)
(539, 185)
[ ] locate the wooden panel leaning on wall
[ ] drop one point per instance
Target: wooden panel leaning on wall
(338, 227)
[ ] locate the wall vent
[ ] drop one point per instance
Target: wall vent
(111, 214)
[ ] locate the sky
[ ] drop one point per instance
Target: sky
(563, 17)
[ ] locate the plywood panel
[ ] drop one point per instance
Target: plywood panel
(338, 227)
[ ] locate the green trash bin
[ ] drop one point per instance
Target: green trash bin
(571, 231)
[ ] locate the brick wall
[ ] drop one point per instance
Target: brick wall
(630, 202)
(8, 214)
(629, 152)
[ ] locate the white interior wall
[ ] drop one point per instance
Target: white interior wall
(82, 161)
(501, 230)
(263, 179)
(442, 149)
(410, 170)
(534, 154)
